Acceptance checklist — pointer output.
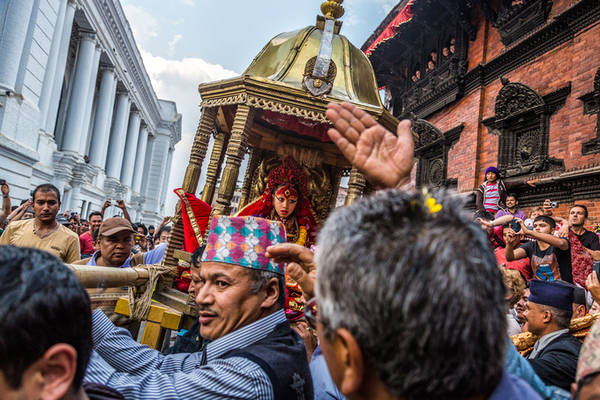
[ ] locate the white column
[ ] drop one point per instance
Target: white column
(156, 171)
(91, 94)
(147, 163)
(104, 113)
(13, 33)
(165, 180)
(52, 61)
(61, 63)
(79, 93)
(118, 134)
(129, 157)
(138, 170)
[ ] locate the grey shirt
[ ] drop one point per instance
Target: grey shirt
(545, 341)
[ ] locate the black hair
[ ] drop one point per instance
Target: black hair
(46, 187)
(483, 214)
(513, 195)
(141, 225)
(196, 255)
(151, 227)
(584, 208)
(94, 213)
(41, 304)
(163, 229)
(549, 220)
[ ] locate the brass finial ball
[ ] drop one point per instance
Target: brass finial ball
(332, 9)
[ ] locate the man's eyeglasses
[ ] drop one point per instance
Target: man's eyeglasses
(310, 311)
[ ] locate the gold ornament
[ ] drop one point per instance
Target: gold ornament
(332, 9)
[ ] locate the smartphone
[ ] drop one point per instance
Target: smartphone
(2, 182)
(515, 226)
(596, 268)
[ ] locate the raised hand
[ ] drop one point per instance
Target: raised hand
(300, 266)
(121, 204)
(384, 158)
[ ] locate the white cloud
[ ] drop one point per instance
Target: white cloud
(143, 25)
(387, 5)
(178, 80)
(189, 3)
(173, 42)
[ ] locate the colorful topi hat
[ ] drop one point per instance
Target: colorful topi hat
(243, 241)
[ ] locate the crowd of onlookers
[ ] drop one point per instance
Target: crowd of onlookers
(38, 222)
(410, 296)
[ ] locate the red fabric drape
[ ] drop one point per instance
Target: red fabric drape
(405, 15)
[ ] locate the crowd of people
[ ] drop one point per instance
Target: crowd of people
(395, 307)
(38, 223)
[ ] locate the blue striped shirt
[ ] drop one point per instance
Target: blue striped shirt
(138, 372)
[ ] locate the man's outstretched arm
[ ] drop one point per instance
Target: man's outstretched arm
(385, 159)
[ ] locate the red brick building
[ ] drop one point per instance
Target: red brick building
(509, 83)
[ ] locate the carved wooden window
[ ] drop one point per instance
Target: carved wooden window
(522, 121)
(432, 151)
(515, 19)
(591, 105)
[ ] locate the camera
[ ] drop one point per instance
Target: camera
(554, 204)
(2, 182)
(515, 226)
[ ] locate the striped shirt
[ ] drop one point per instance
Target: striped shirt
(491, 197)
(138, 372)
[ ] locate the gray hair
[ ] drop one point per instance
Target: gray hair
(562, 318)
(260, 278)
(419, 291)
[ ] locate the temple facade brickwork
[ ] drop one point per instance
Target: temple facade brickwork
(524, 85)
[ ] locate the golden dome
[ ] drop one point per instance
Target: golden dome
(290, 56)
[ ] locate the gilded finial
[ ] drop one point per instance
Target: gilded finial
(332, 9)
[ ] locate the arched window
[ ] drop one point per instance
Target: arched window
(432, 151)
(522, 121)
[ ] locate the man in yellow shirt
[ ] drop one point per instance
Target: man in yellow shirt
(43, 231)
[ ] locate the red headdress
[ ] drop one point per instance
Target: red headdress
(289, 172)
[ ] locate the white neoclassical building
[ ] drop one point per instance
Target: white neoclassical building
(77, 108)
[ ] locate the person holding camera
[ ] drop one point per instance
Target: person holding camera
(550, 256)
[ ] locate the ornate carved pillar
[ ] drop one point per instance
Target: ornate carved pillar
(235, 150)
(255, 157)
(190, 183)
(335, 186)
(356, 185)
(205, 128)
(214, 166)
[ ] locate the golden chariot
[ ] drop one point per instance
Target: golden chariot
(276, 108)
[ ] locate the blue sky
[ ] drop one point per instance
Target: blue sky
(187, 42)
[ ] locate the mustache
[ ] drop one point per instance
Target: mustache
(206, 309)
